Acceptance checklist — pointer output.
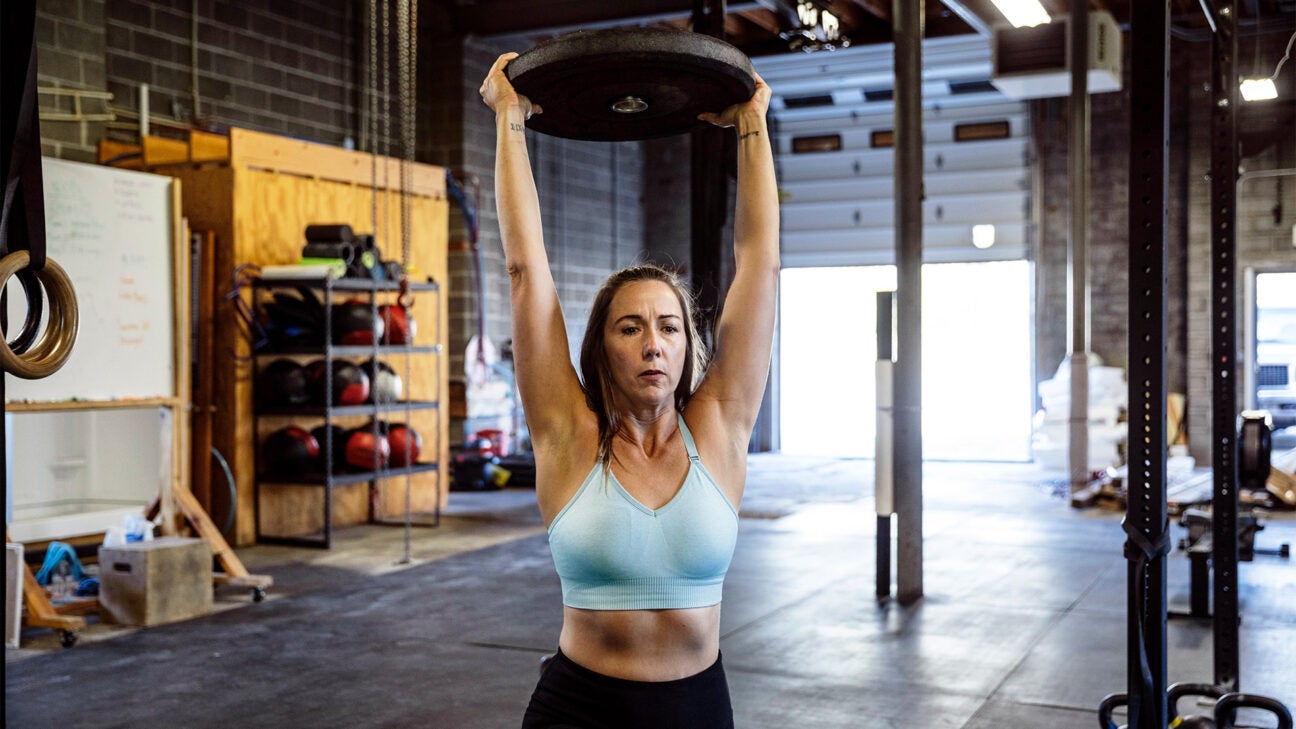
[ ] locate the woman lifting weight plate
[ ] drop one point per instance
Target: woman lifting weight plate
(642, 458)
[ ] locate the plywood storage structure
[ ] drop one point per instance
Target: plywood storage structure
(257, 202)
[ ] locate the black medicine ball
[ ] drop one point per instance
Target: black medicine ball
(350, 383)
(356, 322)
(365, 450)
(340, 436)
(290, 451)
(384, 384)
(283, 383)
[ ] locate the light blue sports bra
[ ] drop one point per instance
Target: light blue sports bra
(614, 553)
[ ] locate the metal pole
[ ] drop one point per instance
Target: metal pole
(909, 21)
(1224, 324)
(883, 468)
(1077, 248)
(710, 191)
(1146, 524)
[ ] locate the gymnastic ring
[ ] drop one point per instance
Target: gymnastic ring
(35, 308)
(51, 351)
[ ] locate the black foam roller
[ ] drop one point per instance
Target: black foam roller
(331, 249)
(325, 233)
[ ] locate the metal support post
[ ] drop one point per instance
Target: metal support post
(1078, 249)
(1146, 522)
(909, 21)
(710, 191)
(1224, 341)
(883, 467)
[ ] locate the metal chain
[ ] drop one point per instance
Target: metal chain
(386, 118)
(408, 103)
(372, 94)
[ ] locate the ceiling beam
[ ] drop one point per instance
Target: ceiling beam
(507, 17)
(763, 19)
(976, 22)
(880, 9)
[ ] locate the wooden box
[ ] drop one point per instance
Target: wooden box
(154, 582)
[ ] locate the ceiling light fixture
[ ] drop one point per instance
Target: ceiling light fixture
(1263, 88)
(1022, 13)
(1258, 89)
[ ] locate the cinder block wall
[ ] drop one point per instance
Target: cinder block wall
(70, 42)
(286, 67)
(1108, 229)
(1263, 243)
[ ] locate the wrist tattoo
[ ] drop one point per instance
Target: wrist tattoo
(515, 127)
(744, 135)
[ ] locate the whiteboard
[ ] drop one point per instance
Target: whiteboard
(111, 230)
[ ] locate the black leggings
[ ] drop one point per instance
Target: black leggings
(570, 696)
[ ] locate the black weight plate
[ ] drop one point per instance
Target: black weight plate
(576, 78)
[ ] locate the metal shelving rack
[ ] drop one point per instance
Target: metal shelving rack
(329, 477)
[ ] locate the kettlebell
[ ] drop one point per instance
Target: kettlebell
(1193, 721)
(1226, 709)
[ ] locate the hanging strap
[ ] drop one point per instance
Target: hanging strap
(22, 219)
(1140, 551)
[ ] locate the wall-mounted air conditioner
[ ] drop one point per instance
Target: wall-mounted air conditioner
(1031, 63)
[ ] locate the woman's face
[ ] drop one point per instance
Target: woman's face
(645, 342)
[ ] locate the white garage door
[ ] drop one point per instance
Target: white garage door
(833, 117)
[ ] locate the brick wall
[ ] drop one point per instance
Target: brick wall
(1263, 238)
(70, 42)
(667, 201)
(1108, 229)
(287, 67)
(1263, 243)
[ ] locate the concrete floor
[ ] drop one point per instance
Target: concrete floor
(1022, 625)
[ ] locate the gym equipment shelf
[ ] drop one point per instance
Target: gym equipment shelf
(345, 410)
(346, 478)
(332, 292)
(255, 193)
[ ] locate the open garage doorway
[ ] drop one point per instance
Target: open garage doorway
(977, 397)
(1274, 353)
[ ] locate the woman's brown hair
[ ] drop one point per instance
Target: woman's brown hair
(596, 374)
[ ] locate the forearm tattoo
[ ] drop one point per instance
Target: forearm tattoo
(744, 135)
(515, 127)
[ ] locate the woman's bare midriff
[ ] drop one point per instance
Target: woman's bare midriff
(642, 645)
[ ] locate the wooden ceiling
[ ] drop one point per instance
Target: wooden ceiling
(756, 26)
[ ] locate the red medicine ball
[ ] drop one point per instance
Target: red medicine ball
(367, 451)
(290, 451)
(398, 325)
(350, 383)
(405, 444)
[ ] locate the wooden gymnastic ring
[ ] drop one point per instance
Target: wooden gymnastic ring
(35, 310)
(51, 351)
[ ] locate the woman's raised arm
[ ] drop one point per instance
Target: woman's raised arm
(735, 382)
(550, 389)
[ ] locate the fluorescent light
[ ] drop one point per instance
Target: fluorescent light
(1022, 13)
(1258, 89)
(983, 236)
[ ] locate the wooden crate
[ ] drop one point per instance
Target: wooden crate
(155, 582)
(258, 203)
